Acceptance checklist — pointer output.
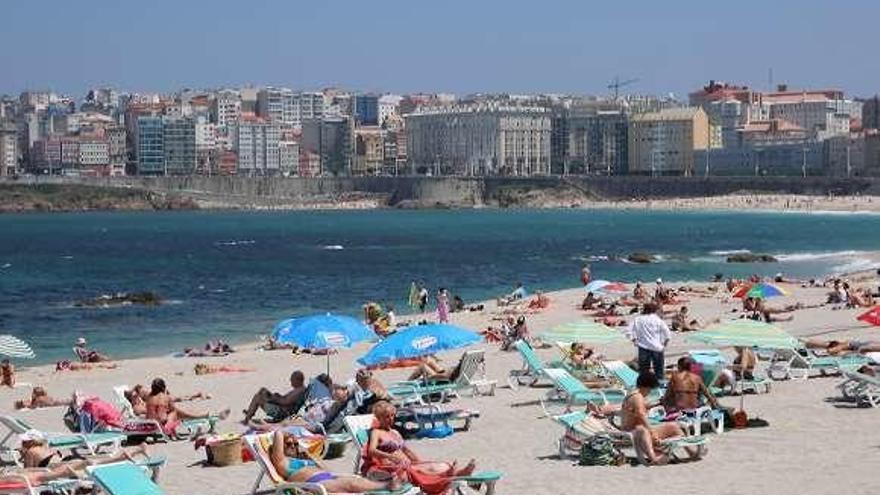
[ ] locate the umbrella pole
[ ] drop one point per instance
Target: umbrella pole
(328, 362)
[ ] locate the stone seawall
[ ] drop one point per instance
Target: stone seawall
(460, 191)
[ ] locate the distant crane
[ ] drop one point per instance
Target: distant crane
(616, 84)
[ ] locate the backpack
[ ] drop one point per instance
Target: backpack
(600, 451)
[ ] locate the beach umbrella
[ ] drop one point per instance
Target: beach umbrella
(322, 332)
(759, 291)
(872, 316)
(583, 331)
(14, 347)
(605, 286)
(417, 341)
(744, 333)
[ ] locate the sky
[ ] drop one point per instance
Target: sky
(455, 46)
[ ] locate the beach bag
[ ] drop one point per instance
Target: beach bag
(599, 451)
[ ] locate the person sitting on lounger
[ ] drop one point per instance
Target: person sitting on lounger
(278, 406)
(388, 458)
(685, 389)
(137, 396)
(161, 407)
(367, 391)
(590, 302)
(40, 399)
(634, 412)
(87, 355)
(431, 370)
(297, 466)
(35, 453)
(581, 355)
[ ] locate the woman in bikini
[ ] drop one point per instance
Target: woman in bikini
(160, 406)
(296, 466)
(388, 458)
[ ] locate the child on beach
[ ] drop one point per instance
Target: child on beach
(7, 374)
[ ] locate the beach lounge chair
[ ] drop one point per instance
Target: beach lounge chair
(713, 361)
(358, 427)
(418, 419)
(21, 485)
(572, 391)
(470, 378)
(123, 478)
(628, 377)
(802, 363)
(135, 426)
(580, 427)
(259, 445)
(532, 371)
(860, 387)
(92, 443)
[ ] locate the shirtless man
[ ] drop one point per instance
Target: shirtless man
(634, 419)
(367, 391)
(161, 407)
(685, 388)
(278, 406)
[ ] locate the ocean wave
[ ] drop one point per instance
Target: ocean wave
(729, 252)
(245, 242)
(593, 258)
(816, 256)
(333, 247)
(856, 265)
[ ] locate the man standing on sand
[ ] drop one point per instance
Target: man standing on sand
(650, 335)
(585, 275)
(278, 406)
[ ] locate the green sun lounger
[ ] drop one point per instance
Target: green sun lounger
(802, 363)
(123, 478)
(92, 443)
(861, 388)
(628, 377)
(580, 427)
(568, 389)
(532, 371)
(358, 427)
(470, 378)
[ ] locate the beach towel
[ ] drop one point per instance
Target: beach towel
(101, 412)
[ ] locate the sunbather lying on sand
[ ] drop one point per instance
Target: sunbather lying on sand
(388, 458)
(295, 465)
(161, 407)
(838, 347)
(74, 366)
(207, 369)
(40, 399)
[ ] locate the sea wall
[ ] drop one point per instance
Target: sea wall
(460, 191)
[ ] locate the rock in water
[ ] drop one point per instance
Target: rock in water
(640, 258)
(751, 258)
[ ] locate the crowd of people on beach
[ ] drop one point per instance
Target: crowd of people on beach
(647, 316)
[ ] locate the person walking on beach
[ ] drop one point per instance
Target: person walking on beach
(443, 306)
(423, 298)
(585, 275)
(650, 334)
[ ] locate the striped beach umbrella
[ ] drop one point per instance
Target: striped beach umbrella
(605, 286)
(745, 333)
(583, 331)
(14, 347)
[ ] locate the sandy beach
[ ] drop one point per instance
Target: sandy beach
(750, 202)
(811, 446)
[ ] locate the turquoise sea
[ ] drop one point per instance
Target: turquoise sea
(231, 275)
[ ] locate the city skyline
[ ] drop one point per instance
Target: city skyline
(400, 47)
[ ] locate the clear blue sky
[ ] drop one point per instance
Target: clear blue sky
(455, 46)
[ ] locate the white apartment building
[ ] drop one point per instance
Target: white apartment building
(94, 153)
(479, 139)
(8, 150)
(388, 106)
(306, 106)
(226, 109)
(288, 157)
(275, 105)
(257, 145)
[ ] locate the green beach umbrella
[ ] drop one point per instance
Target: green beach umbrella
(583, 331)
(745, 333)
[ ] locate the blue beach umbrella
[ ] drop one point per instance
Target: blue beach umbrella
(322, 332)
(417, 341)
